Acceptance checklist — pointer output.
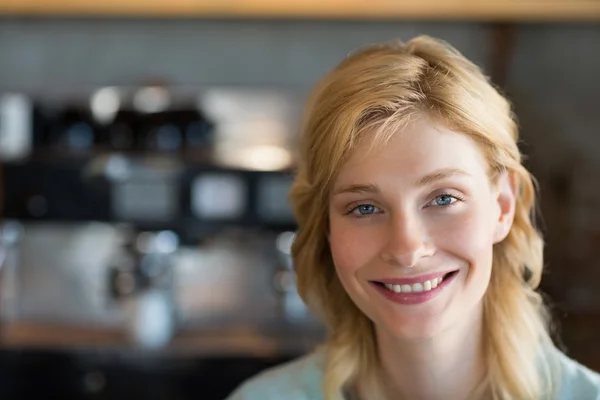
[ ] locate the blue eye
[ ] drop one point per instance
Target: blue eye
(443, 200)
(364, 210)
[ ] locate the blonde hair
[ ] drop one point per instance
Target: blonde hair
(379, 89)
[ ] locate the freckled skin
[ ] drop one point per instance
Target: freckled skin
(405, 230)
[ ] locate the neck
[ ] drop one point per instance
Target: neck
(448, 366)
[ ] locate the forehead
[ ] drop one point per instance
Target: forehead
(419, 149)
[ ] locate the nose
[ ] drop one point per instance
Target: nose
(406, 241)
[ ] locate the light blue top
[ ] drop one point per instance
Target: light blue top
(301, 379)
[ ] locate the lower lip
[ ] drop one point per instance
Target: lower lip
(414, 298)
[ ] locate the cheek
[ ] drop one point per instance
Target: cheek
(469, 237)
(351, 247)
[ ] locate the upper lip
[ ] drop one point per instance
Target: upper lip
(416, 279)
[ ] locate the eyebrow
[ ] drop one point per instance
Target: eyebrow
(428, 179)
(368, 188)
(441, 174)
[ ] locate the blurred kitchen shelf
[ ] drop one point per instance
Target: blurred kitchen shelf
(478, 10)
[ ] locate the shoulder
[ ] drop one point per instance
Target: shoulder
(577, 381)
(300, 379)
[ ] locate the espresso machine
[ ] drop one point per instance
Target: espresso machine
(147, 229)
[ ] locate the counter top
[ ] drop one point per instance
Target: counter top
(241, 342)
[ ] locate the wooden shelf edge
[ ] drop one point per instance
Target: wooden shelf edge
(501, 10)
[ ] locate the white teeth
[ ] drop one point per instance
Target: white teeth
(416, 287)
(393, 288)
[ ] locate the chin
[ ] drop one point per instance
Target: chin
(414, 330)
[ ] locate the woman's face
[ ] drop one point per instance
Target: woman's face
(412, 227)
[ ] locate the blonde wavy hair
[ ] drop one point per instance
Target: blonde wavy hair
(378, 89)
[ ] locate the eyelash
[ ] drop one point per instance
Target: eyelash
(457, 197)
(356, 206)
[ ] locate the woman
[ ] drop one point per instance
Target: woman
(416, 244)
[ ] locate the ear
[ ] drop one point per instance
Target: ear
(506, 195)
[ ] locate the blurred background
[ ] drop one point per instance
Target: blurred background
(147, 148)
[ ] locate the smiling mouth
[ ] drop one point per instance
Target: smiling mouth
(418, 287)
